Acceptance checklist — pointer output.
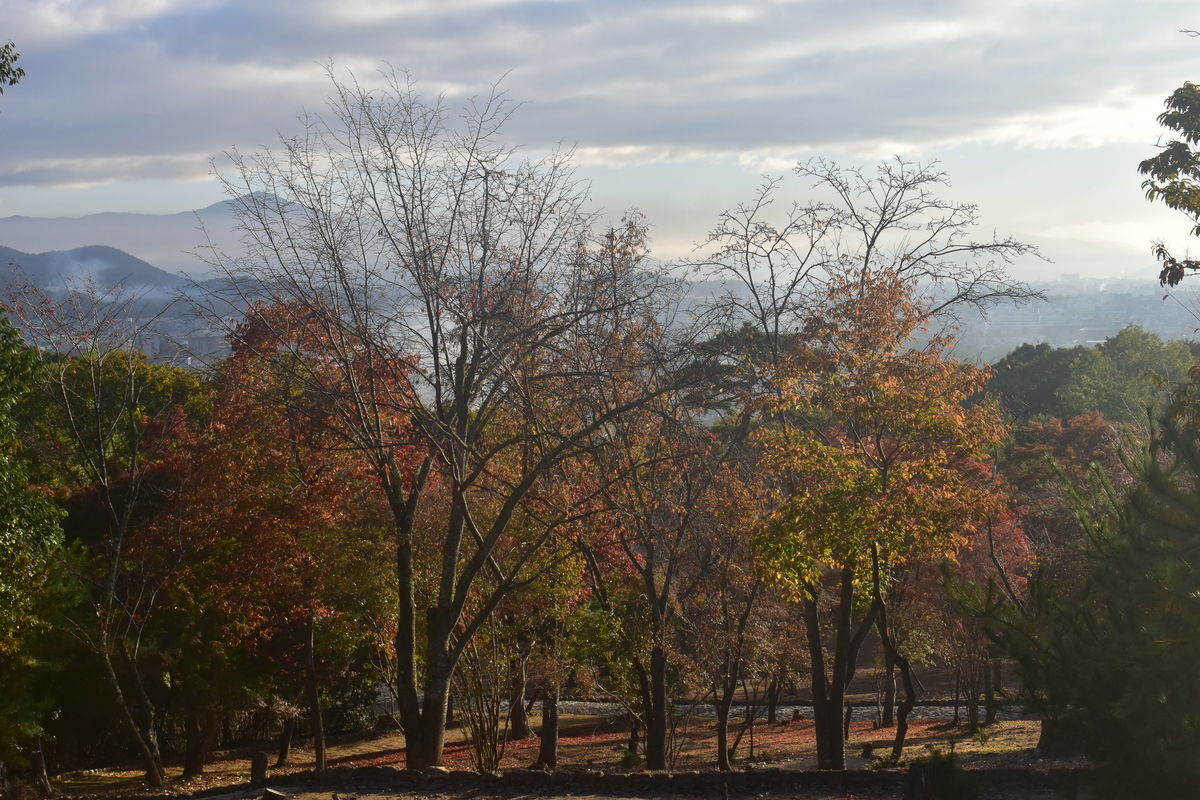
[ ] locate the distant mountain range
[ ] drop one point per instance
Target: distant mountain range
(175, 243)
(168, 241)
(156, 251)
(107, 266)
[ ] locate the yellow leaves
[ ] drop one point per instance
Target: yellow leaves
(875, 440)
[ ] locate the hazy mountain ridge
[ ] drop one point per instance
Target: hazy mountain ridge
(54, 270)
(176, 243)
(156, 255)
(167, 241)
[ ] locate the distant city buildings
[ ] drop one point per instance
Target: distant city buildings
(174, 343)
(1081, 311)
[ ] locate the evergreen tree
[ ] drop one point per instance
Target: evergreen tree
(1114, 671)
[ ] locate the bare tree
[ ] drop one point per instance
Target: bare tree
(774, 265)
(661, 480)
(466, 320)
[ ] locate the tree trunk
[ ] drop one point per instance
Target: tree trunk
(403, 499)
(518, 719)
(314, 696)
(634, 744)
(906, 706)
(827, 722)
(829, 691)
(193, 763)
(145, 708)
(889, 690)
(657, 724)
(285, 742)
(1057, 739)
(41, 777)
(425, 721)
(831, 752)
(201, 731)
(548, 749)
(424, 746)
(773, 700)
(992, 683)
(885, 638)
(723, 756)
(729, 683)
(957, 693)
(147, 748)
(203, 727)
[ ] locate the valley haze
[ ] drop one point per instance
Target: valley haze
(1093, 289)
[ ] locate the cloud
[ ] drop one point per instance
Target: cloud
(83, 172)
(40, 21)
(135, 89)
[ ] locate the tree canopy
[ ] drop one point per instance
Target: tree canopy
(1121, 377)
(878, 459)
(1028, 379)
(1174, 174)
(1109, 663)
(1124, 376)
(31, 544)
(470, 436)
(10, 74)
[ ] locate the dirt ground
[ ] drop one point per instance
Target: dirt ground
(599, 743)
(299, 793)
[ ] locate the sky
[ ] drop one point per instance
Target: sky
(1038, 110)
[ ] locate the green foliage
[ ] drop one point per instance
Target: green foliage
(1113, 378)
(630, 759)
(36, 652)
(1114, 670)
(29, 532)
(1117, 378)
(30, 539)
(613, 640)
(1174, 174)
(19, 367)
(32, 587)
(1028, 379)
(89, 421)
(353, 699)
(10, 74)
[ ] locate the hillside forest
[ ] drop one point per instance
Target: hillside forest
(470, 446)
